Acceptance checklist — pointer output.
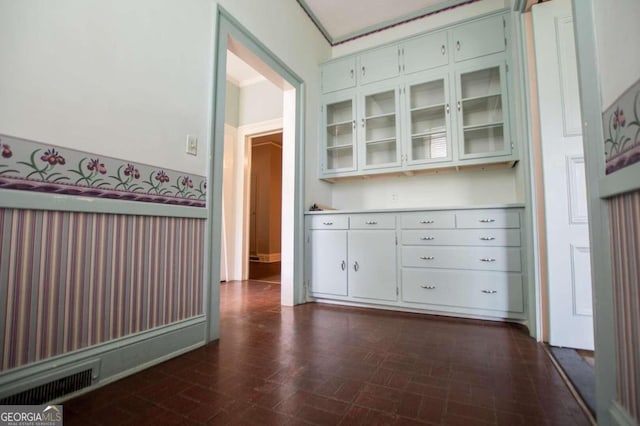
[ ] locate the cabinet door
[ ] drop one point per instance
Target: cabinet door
(329, 263)
(427, 119)
(338, 75)
(379, 64)
(426, 52)
(482, 112)
(339, 128)
(479, 38)
(372, 264)
(379, 128)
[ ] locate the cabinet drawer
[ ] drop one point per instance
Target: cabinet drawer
(479, 38)
(459, 237)
(329, 222)
(488, 219)
(373, 221)
(478, 258)
(478, 290)
(428, 220)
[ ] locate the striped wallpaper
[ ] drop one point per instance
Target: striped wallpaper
(71, 280)
(624, 211)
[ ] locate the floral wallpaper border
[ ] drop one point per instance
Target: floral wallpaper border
(33, 166)
(621, 124)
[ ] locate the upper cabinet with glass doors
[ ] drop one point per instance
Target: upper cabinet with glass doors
(436, 100)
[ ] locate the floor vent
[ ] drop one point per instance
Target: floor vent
(52, 390)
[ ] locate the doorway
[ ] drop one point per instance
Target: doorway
(265, 208)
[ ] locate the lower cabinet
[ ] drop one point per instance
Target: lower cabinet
(466, 262)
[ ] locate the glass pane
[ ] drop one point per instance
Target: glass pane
(381, 153)
(340, 158)
(482, 111)
(428, 120)
(480, 83)
(339, 112)
(381, 128)
(428, 147)
(427, 94)
(380, 103)
(339, 134)
(483, 140)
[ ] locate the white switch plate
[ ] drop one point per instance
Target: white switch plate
(192, 145)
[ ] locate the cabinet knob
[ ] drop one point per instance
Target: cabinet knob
(487, 238)
(427, 257)
(487, 220)
(458, 45)
(327, 223)
(356, 266)
(459, 106)
(447, 108)
(442, 49)
(371, 222)
(427, 238)
(490, 291)
(363, 70)
(354, 124)
(343, 265)
(351, 74)
(428, 287)
(427, 222)
(487, 259)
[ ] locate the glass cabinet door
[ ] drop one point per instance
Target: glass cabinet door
(340, 123)
(428, 121)
(379, 126)
(482, 113)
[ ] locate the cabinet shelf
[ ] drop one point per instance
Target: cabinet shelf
(338, 147)
(428, 108)
(340, 123)
(483, 126)
(434, 131)
(381, 141)
(378, 116)
(481, 98)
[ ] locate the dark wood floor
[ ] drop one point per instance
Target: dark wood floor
(328, 365)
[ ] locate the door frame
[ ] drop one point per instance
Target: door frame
(227, 29)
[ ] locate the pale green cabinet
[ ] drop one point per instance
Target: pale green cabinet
(479, 38)
(379, 128)
(339, 126)
(424, 53)
(482, 108)
(329, 266)
(378, 64)
(372, 261)
(339, 74)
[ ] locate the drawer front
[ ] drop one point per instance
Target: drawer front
(372, 221)
(427, 220)
(462, 237)
(329, 222)
(477, 290)
(476, 258)
(488, 219)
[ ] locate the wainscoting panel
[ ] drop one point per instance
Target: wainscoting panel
(624, 212)
(70, 280)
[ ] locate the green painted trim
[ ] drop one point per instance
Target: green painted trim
(12, 199)
(623, 180)
(519, 6)
(378, 27)
(228, 27)
(620, 416)
(599, 227)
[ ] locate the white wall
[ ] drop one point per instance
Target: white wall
(132, 78)
(617, 35)
(450, 189)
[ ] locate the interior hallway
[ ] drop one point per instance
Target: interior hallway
(328, 365)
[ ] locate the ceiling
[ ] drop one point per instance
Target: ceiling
(343, 20)
(240, 73)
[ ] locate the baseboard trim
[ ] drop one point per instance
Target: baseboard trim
(117, 358)
(620, 416)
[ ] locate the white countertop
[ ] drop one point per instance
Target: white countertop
(419, 209)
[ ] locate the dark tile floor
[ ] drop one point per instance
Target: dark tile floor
(329, 365)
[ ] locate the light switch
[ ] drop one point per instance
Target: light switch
(192, 145)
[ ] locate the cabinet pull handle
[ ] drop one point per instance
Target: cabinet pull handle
(363, 70)
(327, 223)
(356, 266)
(459, 106)
(490, 291)
(352, 74)
(427, 257)
(354, 124)
(362, 121)
(442, 49)
(447, 108)
(487, 259)
(427, 222)
(343, 265)
(458, 45)
(487, 220)
(427, 238)
(487, 238)
(428, 287)
(371, 222)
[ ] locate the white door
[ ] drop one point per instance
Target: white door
(565, 196)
